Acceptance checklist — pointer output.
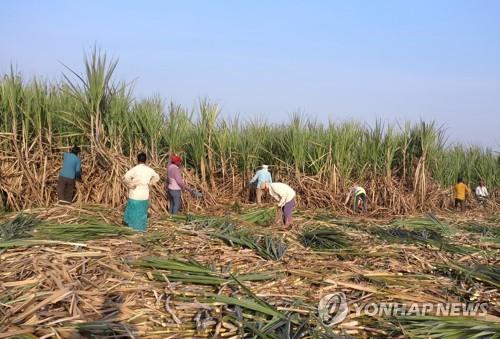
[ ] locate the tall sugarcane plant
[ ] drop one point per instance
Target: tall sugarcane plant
(91, 107)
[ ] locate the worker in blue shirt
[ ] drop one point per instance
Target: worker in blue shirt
(70, 172)
(260, 178)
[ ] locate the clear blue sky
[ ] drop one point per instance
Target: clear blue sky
(338, 60)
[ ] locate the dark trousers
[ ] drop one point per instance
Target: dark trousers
(175, 201)
(461, 203)
(252, 192)
(65, 189)
(360, 198)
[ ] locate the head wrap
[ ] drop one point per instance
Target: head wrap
(175, 159)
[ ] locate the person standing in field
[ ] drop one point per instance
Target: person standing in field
(176, 184)
(461, 190)
(138, 179)
(359, 198)
(261, 177)
(285, 196)
(70, 172)
(481, 192)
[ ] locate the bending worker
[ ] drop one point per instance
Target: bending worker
(285, 196)
(359, 198)
(261, 177)
(70, 172)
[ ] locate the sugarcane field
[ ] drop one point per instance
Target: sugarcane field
(174, 185)
(227, 259)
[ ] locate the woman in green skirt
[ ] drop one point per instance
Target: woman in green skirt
(138, 179)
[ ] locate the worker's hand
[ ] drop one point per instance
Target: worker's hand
(279, 215)
(131, 185)
(196, 194)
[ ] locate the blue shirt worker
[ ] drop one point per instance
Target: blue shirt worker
(261, 177)
(70, 172)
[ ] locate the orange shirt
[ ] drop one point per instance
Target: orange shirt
(460, 190)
